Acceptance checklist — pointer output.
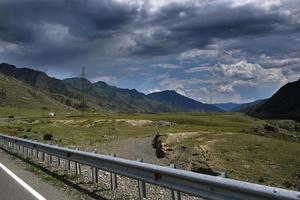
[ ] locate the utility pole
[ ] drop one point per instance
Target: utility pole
(83, 91)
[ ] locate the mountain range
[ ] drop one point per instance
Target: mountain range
(100, 96)
(35, 89)
(236, 107)
(284, 104)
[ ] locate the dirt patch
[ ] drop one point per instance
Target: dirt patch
(68, 121)
(194, 158)
(177, 138)
(135, 122)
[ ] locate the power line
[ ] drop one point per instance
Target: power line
(83, 91)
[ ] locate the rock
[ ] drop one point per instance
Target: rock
(270, 128)
(157, 145)
(204, 170)
(261, 180)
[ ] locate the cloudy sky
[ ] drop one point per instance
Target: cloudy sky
(230, 50)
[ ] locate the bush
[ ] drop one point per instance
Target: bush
(47, 136)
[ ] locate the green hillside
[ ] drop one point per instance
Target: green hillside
(14, 95)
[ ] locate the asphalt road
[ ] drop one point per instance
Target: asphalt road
(10, 189)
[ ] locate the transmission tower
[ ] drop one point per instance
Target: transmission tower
(83, 90)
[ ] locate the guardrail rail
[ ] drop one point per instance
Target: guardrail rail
(177, 180)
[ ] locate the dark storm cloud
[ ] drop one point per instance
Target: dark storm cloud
(173, 28)
(176, 27)
(62, 32)
(20, 20)
(125, 41)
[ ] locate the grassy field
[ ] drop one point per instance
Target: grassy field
(253, 158)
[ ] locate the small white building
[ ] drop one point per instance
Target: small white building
(51, 114)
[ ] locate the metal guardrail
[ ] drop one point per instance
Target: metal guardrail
(200, 185)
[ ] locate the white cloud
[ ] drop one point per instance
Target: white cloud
(273, 62)
(225, 88)
(244, 70)
(199, 53)
(167, 66)
(154, 90)
(198, 69)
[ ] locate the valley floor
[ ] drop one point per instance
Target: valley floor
(247, 148)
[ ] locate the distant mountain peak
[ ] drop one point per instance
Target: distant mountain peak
(181, 102)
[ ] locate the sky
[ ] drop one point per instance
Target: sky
(229, 50)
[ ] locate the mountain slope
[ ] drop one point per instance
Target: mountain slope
(14, 93)
(180, 103)
(249, 106)
(284, 104)
(227, 106)
(113, 98)
(35, 78)
(240, 107)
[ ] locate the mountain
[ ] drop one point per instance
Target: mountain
(227, 106)
(284, 104)
(180, 103)
(248, 106)
(100, 96)
(35, 78)
(113, 98)
(14, 93)
(239, 107)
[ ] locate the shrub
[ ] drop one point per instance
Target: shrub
(47, 136)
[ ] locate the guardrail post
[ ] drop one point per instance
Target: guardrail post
(77, 166)
(94, 173)
(36, 153)
(67, 165)
(58, 161)
(31, 152)
(141, 185)
(49, 159)
(43, 156)
(113, 179)
(175, 194)
(27, 151)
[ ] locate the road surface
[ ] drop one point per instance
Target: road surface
(12, 189)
